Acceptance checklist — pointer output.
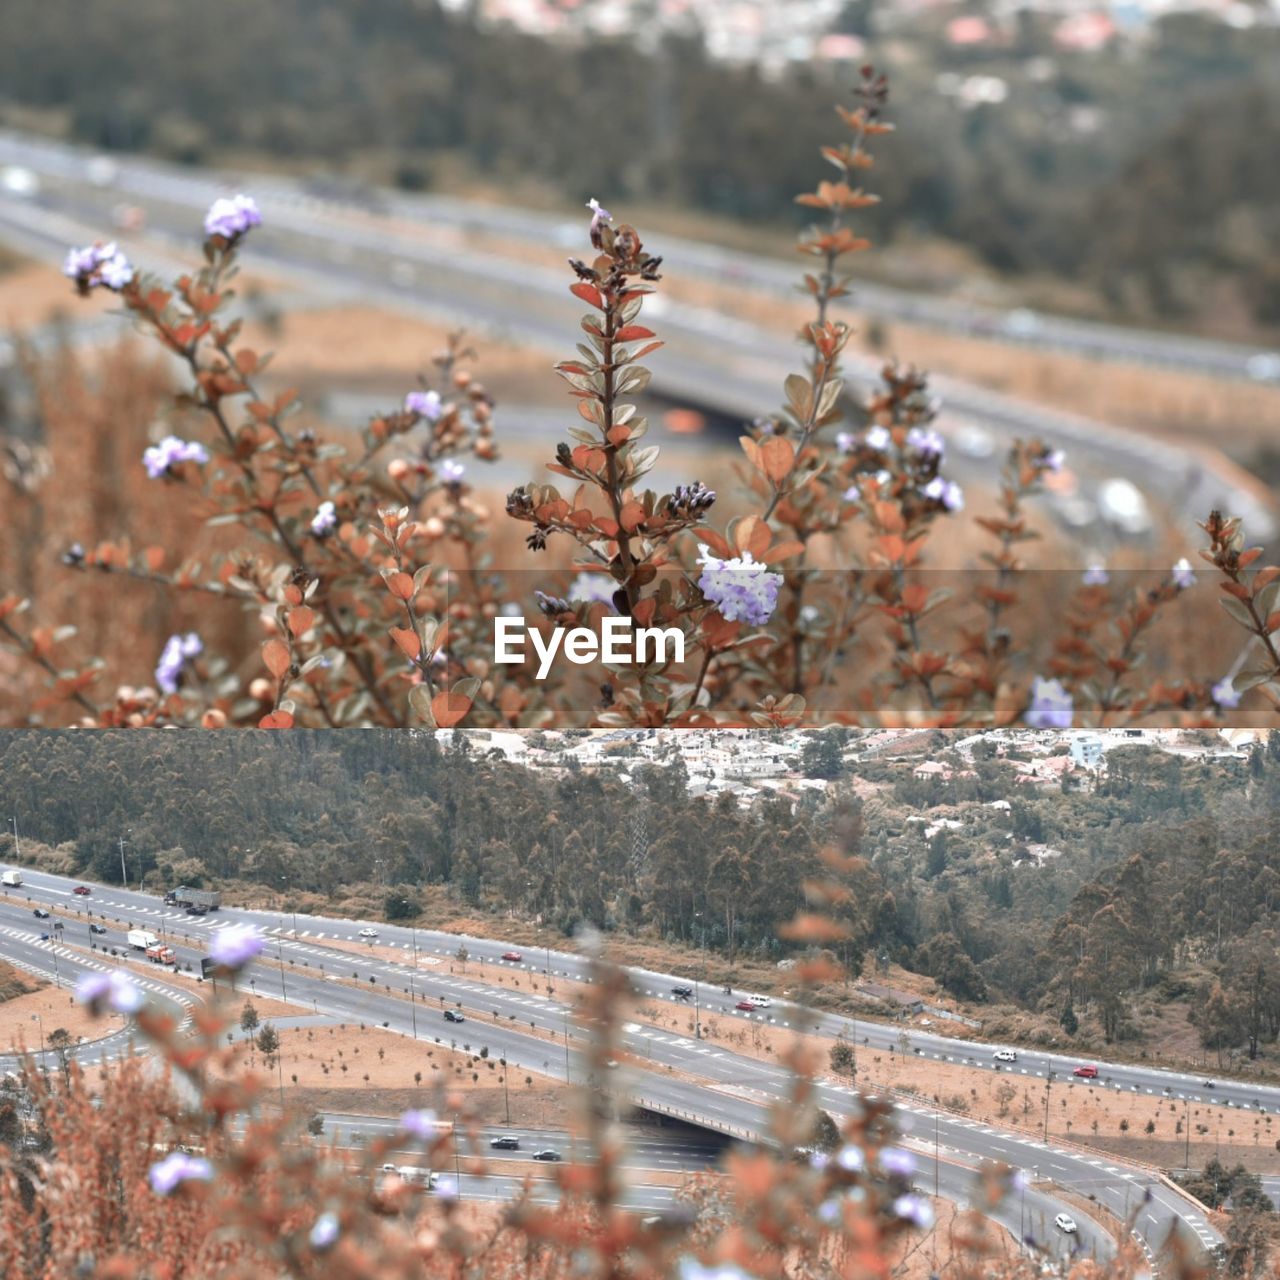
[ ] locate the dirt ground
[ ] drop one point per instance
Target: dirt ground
(52, 1007)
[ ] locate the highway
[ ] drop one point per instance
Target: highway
(338, 252)
(149, 177)
(665, 1073)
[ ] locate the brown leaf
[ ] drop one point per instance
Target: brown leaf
(275, 654)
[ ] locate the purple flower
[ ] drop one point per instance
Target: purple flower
(177, 1168)
(915, 1209)
(324, 521)
(98, 264)
(231, 218)
(426, 404)
(161, 458)
(115, 990)
(420, 1125)
(896, 1161)
(324, 1235)
(1051, 706)
(233, 948)
(877, 438)
(742, 589)
(851, 1158)
(599, 214)
(446, 1186)
(593, 588)
(1184, 575)
(452, 471)
(1225, 695)
(1096, 575)
(946, 492)
(177, 652)
(692, 1269)
(926, 442)
(846, 441)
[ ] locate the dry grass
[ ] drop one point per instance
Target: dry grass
(48, 1007)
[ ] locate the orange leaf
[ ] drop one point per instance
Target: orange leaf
(155, 558)
(633, 333)
(777, 457)
(632, 516)
(588, 293)
(401, 586)
(408, 640)
(275, 653)
(276, 720)
(301, 619)
(449, 708)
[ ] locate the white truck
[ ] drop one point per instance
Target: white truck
(11, 878)
(141, 939)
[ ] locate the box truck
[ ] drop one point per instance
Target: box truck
(141, 939)
(12, 878)
(160, 954)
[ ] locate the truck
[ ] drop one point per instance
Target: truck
(182, 896)
(141, 939)
(160, 954)
(11, 878)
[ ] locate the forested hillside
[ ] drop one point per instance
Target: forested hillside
(1133, 169)
(1159, 882)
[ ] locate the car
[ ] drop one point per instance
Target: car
(44, 937)
(1005, 1055)
(746, 1006)
(548, 1153)
(83, 890)
(1065, 1222)
(760, 1002)
(40, 913)
(453, 1015)
(1124, 506)
(505, 1143)
(1264, 366)
(197, 911)
(368, 933)
(514, 956)
(18, 181)
(97, 928)
(611, 1063)
(1086, 1073)
(682, 993)
(1208, 1084)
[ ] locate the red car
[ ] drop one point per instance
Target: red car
(512, 955)
(82, 890)
(1086, 1073)
(746, 1006)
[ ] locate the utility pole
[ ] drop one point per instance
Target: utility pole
(935, 1155)
(124, 871)
(17, 848)
(280, 958)
(413, 1007)
(565, 1018)
(506, 1090)
(1048, 1084)
(1186, 1124)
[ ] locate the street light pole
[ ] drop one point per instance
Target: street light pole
(124, 871)
(280, 958)
(17, 848)
(413, 1007)
(1048, 1084)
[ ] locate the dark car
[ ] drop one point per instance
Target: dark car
(197, 911)
(505, 1143)
(44, 937)
(83, 890)
(547, 1153)
(97, 928)
(40, 913)
(453, 1015)
(682, 993)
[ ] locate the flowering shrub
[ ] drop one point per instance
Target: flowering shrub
(822, 599)
(125, 1177)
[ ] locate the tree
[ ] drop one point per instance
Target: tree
(315, 1126)
(268, 1040)
(1069, 1022)
(61, 1042)
(844, 1059)
(821, 756)
(400, 905)
(249, 1021)
(825, 1135)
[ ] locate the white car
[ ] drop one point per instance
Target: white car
(1065, 1222)
(1005, 1055)
(760, 1002)
(368, 933)
(15, 180)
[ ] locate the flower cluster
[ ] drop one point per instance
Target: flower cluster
(98, 264)
(178, 653)
(232, 217)
(160, 459)
(742, 589)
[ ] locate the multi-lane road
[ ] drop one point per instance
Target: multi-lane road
(414, 257)
(665, 1073)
